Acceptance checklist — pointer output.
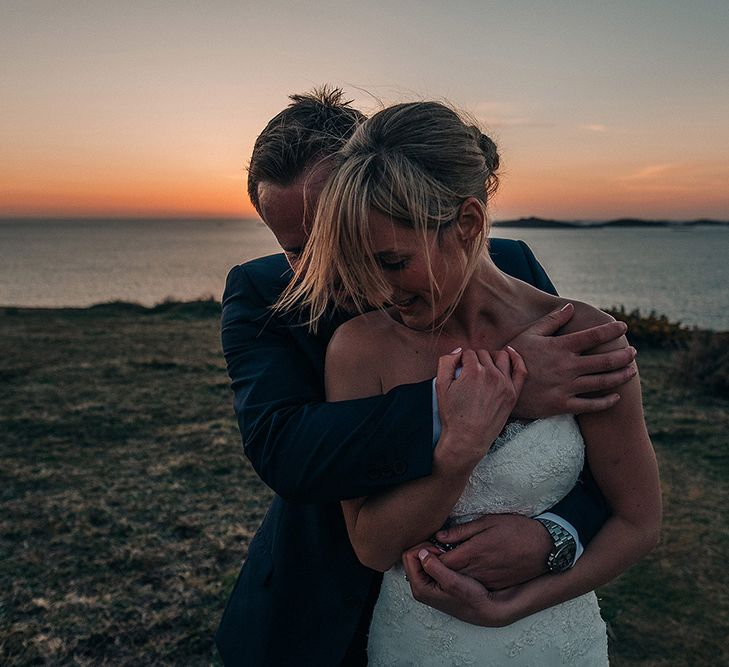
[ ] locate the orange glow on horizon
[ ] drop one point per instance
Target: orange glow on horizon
(168, 189)
(604, 191)
(116, 111)
(191, 197)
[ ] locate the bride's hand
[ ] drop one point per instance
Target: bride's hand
(457, 595)
(475, 406)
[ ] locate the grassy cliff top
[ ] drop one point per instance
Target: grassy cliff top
(128, 506)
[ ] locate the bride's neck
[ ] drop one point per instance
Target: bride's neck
(491, 303)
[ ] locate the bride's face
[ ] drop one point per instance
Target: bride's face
(401, 253)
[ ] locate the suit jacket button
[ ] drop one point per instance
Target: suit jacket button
(399, 467)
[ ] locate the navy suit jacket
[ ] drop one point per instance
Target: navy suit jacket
(302, 592)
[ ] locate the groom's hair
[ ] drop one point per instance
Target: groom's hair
(314, 126)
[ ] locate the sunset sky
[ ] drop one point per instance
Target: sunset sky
(600, 110)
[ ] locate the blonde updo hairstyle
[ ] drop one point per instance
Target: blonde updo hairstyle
(415, 162)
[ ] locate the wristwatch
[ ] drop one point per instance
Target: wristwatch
(562, 555)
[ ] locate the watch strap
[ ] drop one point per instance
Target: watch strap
(562, 555)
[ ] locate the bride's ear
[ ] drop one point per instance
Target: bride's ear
(471, 220)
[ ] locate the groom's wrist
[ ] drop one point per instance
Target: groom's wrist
(561, 521)
(562, 555)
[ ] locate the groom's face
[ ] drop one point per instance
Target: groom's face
(288, 210)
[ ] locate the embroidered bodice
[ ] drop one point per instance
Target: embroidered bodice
(528, 469)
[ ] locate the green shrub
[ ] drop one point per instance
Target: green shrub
(705, 363)
(652, 329)
(202, 308)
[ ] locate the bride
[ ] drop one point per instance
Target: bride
(403, 223)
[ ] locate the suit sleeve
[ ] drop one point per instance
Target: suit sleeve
(540, 279)
(584, 506)
(305, 449)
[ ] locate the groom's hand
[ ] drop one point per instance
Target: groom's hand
(498, 550)
(561, 374)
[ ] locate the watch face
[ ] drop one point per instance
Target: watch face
(563, 551)
(563, 558)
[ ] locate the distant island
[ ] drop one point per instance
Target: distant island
(533, 222)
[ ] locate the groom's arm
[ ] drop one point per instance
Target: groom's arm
(502, 550)
(584, 507)
(308, 450)
(303, 448)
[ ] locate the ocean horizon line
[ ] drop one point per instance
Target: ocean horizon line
(521, 222)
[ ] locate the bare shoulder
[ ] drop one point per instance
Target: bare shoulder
(586, 316)
(355, 356)
(361, 333)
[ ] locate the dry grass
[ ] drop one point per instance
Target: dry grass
(673, 608)
(127, 505)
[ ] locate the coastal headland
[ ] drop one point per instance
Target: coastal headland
(547, 223)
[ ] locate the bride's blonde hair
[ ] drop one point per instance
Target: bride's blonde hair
(416, 163)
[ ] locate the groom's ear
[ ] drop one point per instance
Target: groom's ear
(471, 219)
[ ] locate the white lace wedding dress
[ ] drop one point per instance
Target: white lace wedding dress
(528, 469)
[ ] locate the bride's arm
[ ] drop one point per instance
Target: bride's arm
(624, 465)
(381, 527)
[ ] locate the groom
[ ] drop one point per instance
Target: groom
(302, 596)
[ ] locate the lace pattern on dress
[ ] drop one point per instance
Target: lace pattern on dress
(528, 469)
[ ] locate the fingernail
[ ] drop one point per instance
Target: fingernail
(508, 347)
(565, 307)
(457, 350)
(423, 554)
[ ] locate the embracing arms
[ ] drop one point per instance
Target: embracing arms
(311, 451)
(303, 448)
(623, 462)
(478, 404)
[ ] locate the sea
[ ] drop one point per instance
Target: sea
(680, 272)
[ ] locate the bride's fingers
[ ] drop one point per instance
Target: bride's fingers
(447, 579)
(502, 361)
(518, 369)
(414, 572)
(447, 365)
(484, 357)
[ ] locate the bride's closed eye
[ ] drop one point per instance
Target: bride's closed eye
(392, 264)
